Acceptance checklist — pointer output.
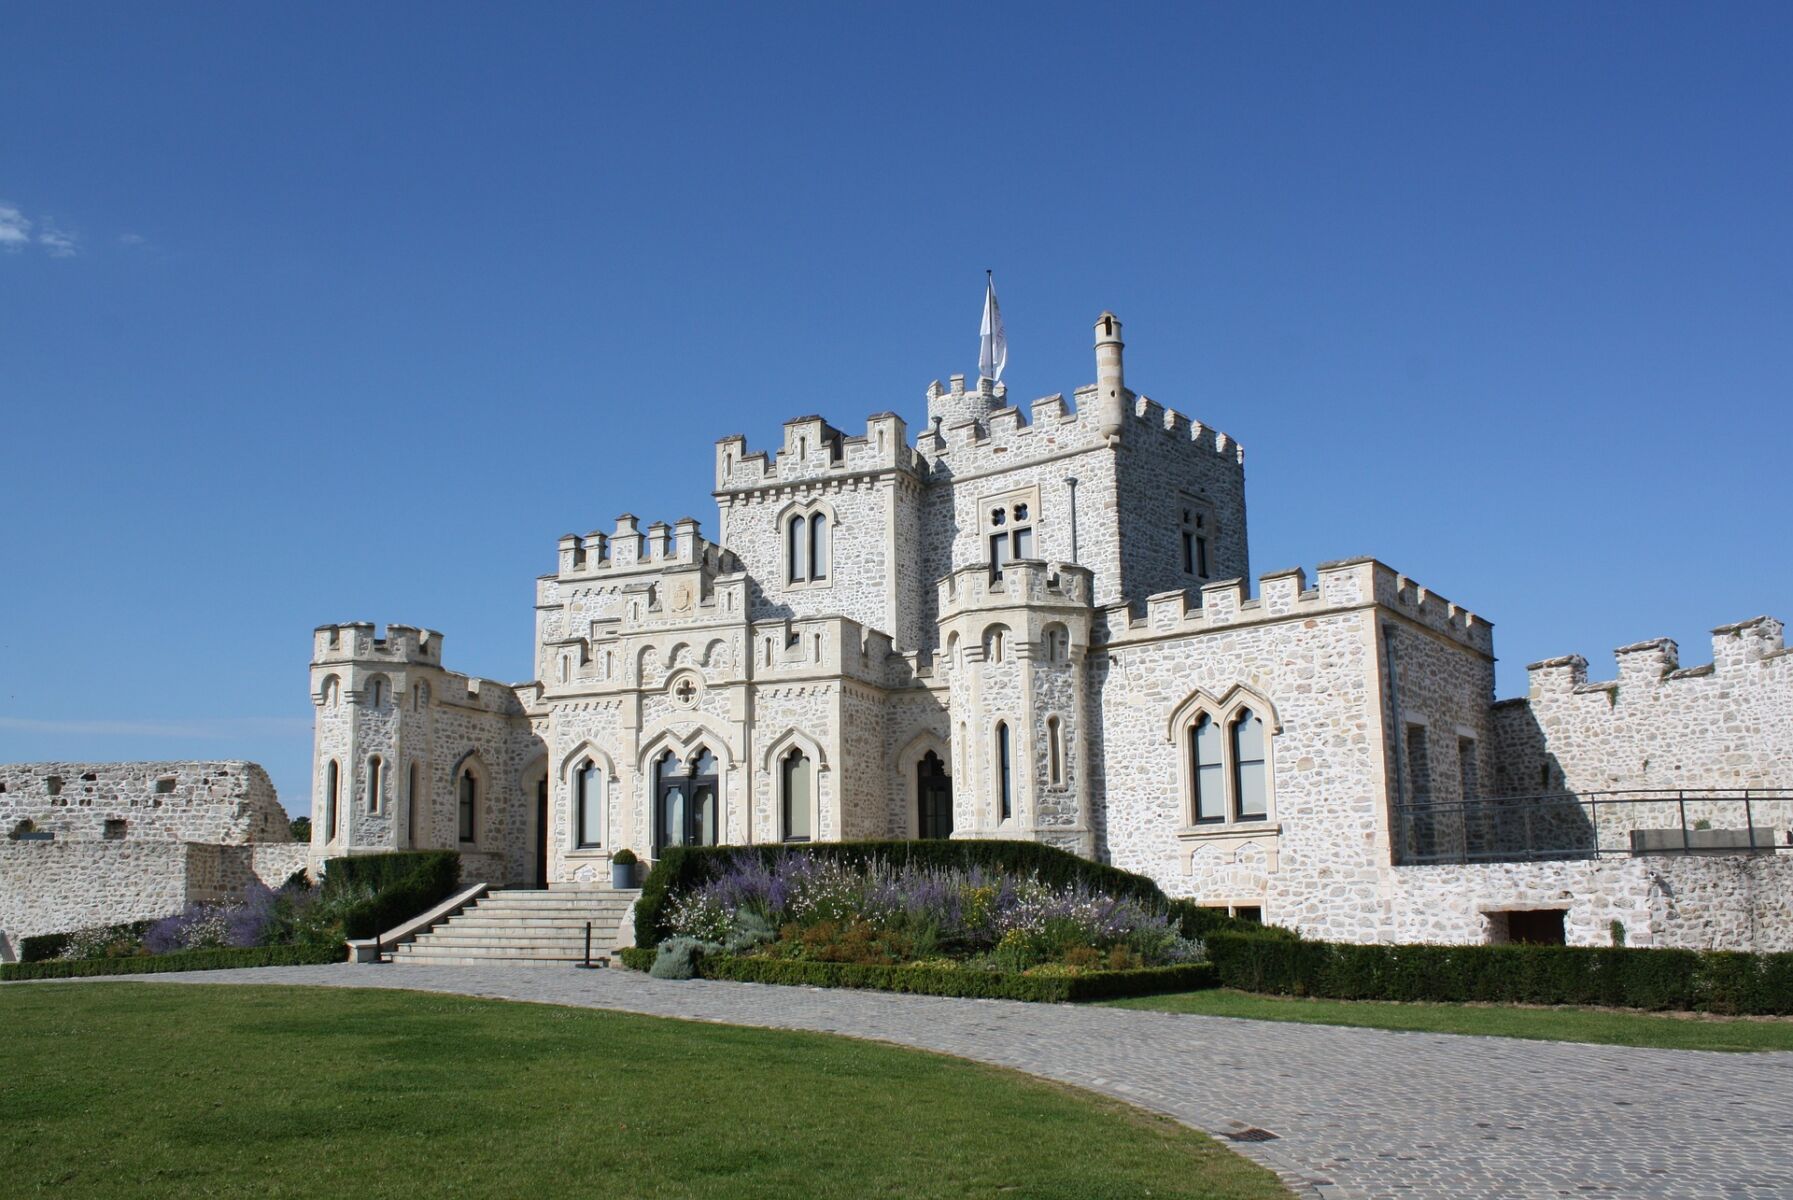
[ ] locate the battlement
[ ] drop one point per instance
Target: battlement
(1340, 586)
(628, 549)
(357, 641)
(1007, 435)
(1023, 582)
(818, 646)
(813, 450)
(1747, 646)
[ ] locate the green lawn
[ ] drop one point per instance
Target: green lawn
(1551, 1024)
(128, 1089)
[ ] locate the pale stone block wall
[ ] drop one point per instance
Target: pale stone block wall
(55, 887)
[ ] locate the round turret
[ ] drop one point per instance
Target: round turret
(1111, 384)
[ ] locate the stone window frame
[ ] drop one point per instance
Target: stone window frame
(988, 528)
(1224, 711)
(609, 780)
(1058, 775)
(772, 764)
(808, 511)
(332, 801)
(376, 783)
(1003, 777)
(376, 691)
(1196, 532)
(471, 764)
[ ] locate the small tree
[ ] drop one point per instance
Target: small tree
(301, 827)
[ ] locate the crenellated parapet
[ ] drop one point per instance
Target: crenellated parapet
(814, 451)
(1339, 587)
(346, 657)
(628, 549)
(1023, 583)
(359, 641)
(1742, 651)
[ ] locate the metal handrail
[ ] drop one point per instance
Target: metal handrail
(1569, 825)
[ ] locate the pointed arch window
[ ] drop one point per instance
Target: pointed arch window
(1250, 788)
(797, 549)
(1227, 764)
(588, 788)
(807, 547)
(1207, 770)
(687, 800)
(468, 804)
(797, 789)
(934, 798)
(818, 546)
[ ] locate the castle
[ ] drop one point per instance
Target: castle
(1039, 625)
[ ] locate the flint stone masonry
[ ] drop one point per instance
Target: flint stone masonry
(115, 842)
(1099, 646)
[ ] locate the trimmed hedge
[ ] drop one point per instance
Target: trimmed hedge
(181, 960)
(46, 946)
(1693, 980)
(948, 981)
(637, 958)
(684, 868)
(406, 884)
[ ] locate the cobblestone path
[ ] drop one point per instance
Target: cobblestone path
(1357, 1113)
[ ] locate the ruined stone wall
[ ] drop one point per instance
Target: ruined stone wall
(1726, 725)
(55, 887)
(226, 802)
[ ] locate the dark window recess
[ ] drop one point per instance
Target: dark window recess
(54, 784)
(165, 786)
(1530, 926)
(90, 777)
(1249, 912)
(113, 830)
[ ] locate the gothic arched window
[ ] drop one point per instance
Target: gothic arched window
(588, 786)
(1005, 776)
(797, 789)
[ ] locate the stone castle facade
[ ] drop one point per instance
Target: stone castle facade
(1039, 625)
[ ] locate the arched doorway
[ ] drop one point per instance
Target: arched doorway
(933, 798)
(687, 800)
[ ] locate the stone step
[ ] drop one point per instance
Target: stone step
(542, 912)
(537, 896)
(482, 917)
(510, 949)
(494, 953)
(453, 960)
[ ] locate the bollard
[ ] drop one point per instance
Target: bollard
(587, 965)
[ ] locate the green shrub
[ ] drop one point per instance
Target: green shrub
(943, 980)
(46, 946)
(182, 960)
(637, 958)
(683, 868)
(405, 884)
(1711, 981)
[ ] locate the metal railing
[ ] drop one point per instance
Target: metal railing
(1581, 825)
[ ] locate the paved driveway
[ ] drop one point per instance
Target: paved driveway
(1357, 1113)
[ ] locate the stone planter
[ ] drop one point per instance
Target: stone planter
(622, 875)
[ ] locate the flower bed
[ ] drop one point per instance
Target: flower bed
(958, 930)
(297, 923)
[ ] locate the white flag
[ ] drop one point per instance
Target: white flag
(993, 344)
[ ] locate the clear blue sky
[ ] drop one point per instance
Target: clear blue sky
(324, 313)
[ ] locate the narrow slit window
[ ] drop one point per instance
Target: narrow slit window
(373, 784)
(1005, 782)
(1055, 757)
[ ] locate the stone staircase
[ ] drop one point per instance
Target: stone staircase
(526, 928)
